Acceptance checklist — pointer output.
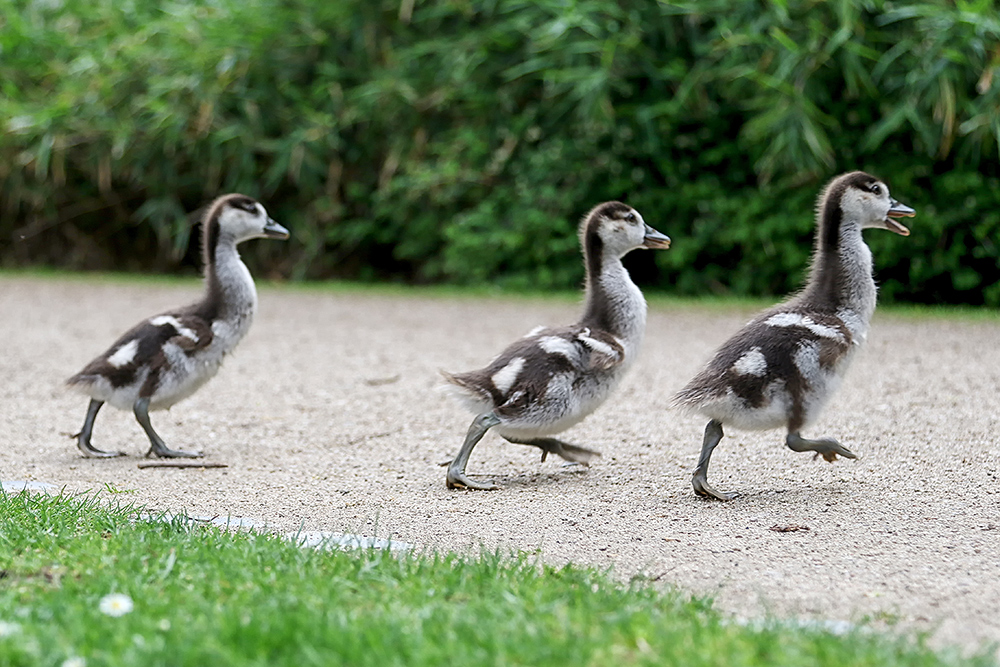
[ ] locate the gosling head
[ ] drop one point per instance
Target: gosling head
(243, 218)
(238, 218)
(614, 228)
(864, 200)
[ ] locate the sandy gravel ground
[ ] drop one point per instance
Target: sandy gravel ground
(329, 418)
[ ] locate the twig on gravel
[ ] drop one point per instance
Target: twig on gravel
(372, 436)
(793, 528)
(181, 464)
(378, 382)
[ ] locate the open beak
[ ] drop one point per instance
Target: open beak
(654, 240)
(898, 211)
(273, 230)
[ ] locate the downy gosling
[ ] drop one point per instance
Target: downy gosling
(553, 378)
(782, 367)
(166, 358)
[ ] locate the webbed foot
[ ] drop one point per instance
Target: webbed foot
(828, 448)
(157, 446)
(458, 480)
(572, 453)
(93, 452)
(83, 437)
(705, 490)
(165, 452)
(713, 434)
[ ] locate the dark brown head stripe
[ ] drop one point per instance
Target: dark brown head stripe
(210, 223)
(614, 210)
(243, 203)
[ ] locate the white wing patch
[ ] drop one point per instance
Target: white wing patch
(751, 363)
(784, 320)
(806, 359)
(597, 345)
(557, 345)
(797, 320)
(504, 378)
(160, 320)
(124, 354)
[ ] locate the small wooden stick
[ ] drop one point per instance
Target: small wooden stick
(181, 464)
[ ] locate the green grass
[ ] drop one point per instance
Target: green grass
(203, 596)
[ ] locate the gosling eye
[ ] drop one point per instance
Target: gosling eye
(630, 217)
(876, 189)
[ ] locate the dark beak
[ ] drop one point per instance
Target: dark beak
(898, 210)
(654, 240)
(273, 230)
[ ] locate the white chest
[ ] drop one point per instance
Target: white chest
(239, 301)
(859, 302)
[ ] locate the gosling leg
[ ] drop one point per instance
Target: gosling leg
(713, 434)
(157, 446)
(567, 451)
(456, 469)
(828, 448)
(83, 437)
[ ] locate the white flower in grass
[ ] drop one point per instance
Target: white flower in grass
(116, 604)
(75, 661)
(8, 629)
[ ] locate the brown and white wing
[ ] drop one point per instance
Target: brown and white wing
(189, 332)
(602, 350)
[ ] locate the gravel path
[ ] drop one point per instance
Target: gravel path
(330, 418)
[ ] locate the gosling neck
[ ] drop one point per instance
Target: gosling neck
(840, 277)
(230, 293)
(613, 302)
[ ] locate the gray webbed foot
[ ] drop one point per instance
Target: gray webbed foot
(828, 448)
(94, 453)
(165, 452)
(456, 478)
(157, 446)
(83, 437)
(713, 434)
(572, 453)
(705, 490)
(459, 480)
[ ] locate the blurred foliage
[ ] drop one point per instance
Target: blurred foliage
(460, 140)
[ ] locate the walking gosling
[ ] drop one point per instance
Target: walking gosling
(552, 378)
(782, 367)
(166, 358)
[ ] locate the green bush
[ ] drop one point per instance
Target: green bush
(461, 140)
